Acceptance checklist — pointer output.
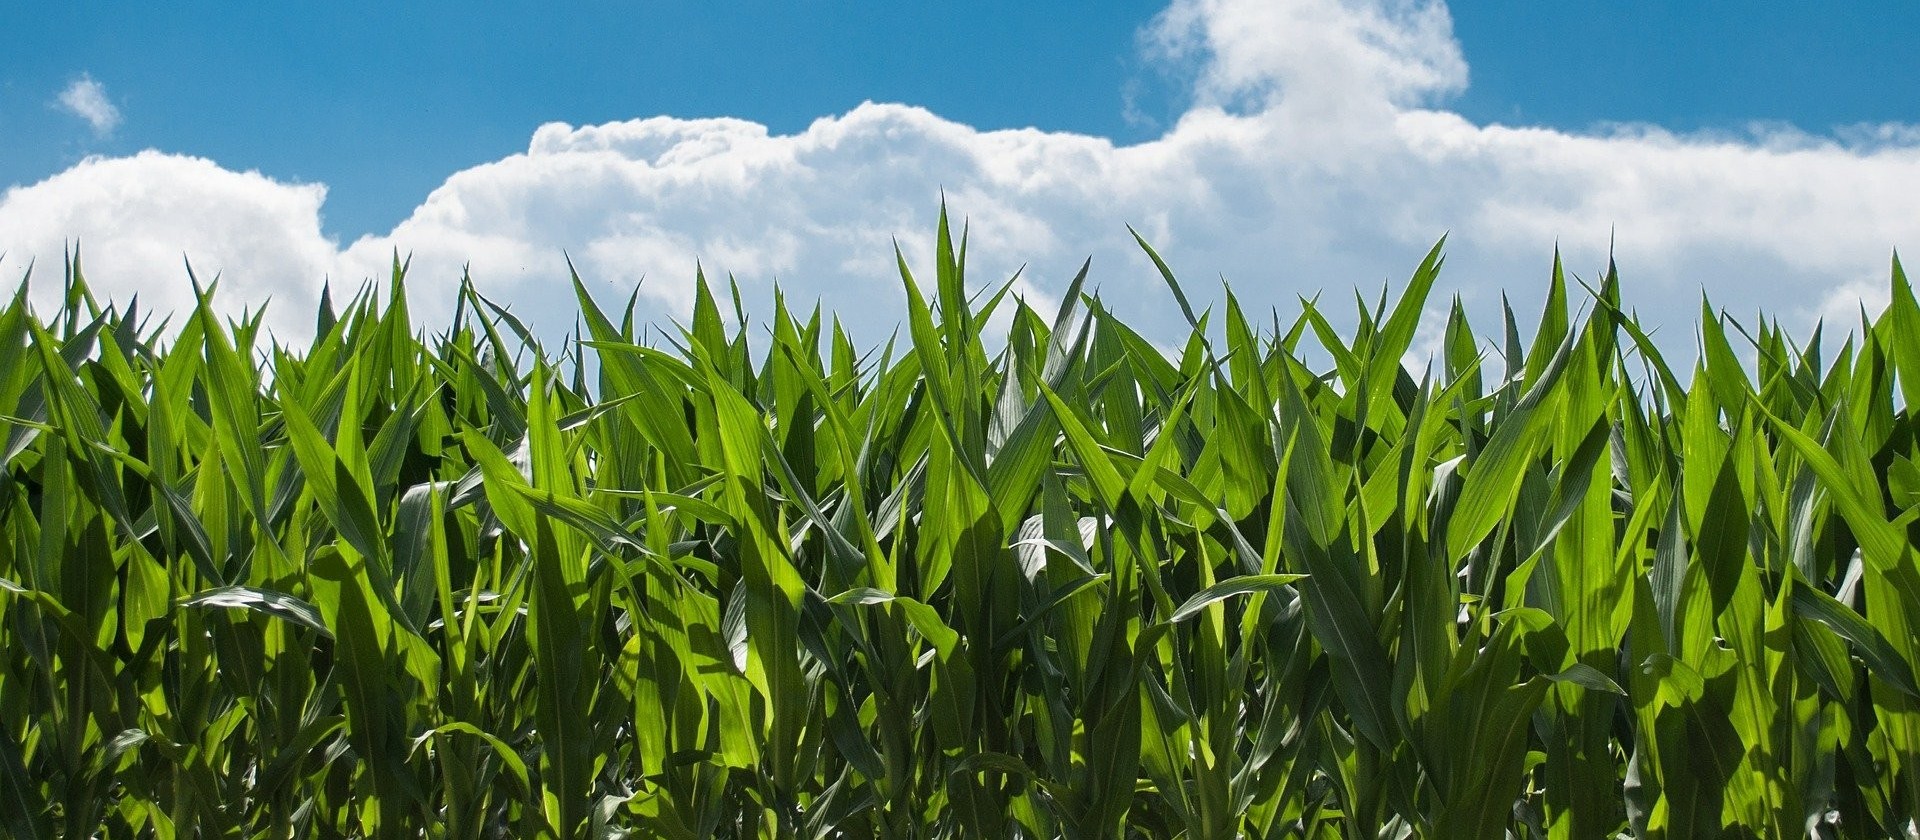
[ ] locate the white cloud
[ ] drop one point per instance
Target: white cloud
(1326, 60)
(87, 99)
(135, 219)
(1318, 155)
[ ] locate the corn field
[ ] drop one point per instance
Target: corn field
(743, 579)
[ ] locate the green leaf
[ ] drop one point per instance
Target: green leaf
(265, 601)
(1885, 660)
(1493, 479)
(1588, 677)
(1396, 334)
(1108, 486)
(1904, 315)
(26, 813)
(1242, 585)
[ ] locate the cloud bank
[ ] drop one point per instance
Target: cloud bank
(1318, 154)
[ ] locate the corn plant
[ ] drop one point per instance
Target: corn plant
(740, 579)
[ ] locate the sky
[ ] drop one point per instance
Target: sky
(1289, 147)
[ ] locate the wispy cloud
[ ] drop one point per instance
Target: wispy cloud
(87, 99)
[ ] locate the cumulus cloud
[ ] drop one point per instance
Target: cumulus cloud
(1320, 60)
(137, 221)
(87, 99)
(1319, 154)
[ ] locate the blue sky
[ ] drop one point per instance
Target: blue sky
(384, 104)
(1689, 66)
(383, 101)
